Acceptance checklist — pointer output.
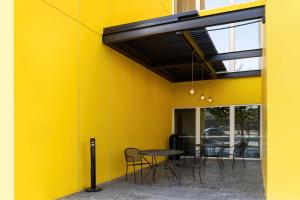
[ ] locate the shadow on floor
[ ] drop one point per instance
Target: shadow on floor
(228, 184)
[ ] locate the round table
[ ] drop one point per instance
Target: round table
(161, 152)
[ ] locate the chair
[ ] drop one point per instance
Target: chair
(239, 150)
(192, 163)
(134, 158)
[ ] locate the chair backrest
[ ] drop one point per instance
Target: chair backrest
(132, 155)
(240, 148)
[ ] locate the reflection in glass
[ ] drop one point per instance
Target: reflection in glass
(247, 129)
(220, 38)
(215, 126)
(247, 36)
(245, 64)
(185, 127)
(210, 4)
(242, 1)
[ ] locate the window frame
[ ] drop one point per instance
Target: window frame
(231, 124)
(200, 5)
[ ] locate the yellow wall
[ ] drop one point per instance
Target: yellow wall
(223, 91)
(282, 99)
(69, 87)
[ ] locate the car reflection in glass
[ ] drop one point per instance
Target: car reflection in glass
(215, 136)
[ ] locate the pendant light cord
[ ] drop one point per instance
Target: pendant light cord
(202, 71)
(193, 69)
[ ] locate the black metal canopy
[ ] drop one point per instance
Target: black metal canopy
(164, 45)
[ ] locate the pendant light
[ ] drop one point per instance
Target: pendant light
(192, 90)
(209, 100)
(202, 97)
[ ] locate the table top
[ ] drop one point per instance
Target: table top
(161, 152)
(213, 145)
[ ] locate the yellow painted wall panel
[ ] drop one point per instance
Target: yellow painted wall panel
(45, 103)
(282, 97)
(223, 91)
(70, 87)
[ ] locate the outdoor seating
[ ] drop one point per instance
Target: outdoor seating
(239, 151)
(134, 158)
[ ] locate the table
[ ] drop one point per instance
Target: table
(218, 155)
(160, 152)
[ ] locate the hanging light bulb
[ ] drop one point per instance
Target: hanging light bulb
(202, 97)
(192, 91)
(209, 100)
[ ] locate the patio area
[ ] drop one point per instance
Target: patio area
(239, 183)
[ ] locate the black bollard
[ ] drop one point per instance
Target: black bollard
(93, 187)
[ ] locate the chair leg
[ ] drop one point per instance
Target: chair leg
(200, 174)
(126, 171)
(134, 173)
(233, 162)
(193, 171)
(141, 173)
(179, 182)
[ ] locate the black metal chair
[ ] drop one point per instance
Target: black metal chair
(239, 150)
(191, 162)
(134, 158)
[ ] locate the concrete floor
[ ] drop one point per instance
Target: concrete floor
(228, 184)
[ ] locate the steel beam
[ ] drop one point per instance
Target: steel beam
(182, 25)
(235, 55)
(195, 47)
(218, 57)
(240, 74)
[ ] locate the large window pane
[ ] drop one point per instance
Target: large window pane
(220, 38)
(185, 127)
(247, 129)
(247, 36)
(210, 4)
(245, 64)
(242, 1)
(215, 126)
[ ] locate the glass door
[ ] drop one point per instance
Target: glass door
(214, 127)
(247, 129)
(185, 127)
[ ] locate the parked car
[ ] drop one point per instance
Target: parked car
(215, 135)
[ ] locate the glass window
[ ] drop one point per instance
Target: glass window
(242, 1)
(185, 127)
(215, 126)
(210, 4)
(220, 38)
(247, 36)
(247, 129)
(245, 64)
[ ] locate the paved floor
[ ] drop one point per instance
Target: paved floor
(228, 184)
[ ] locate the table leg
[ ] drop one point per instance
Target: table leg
(169, 168)
(154, 165)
